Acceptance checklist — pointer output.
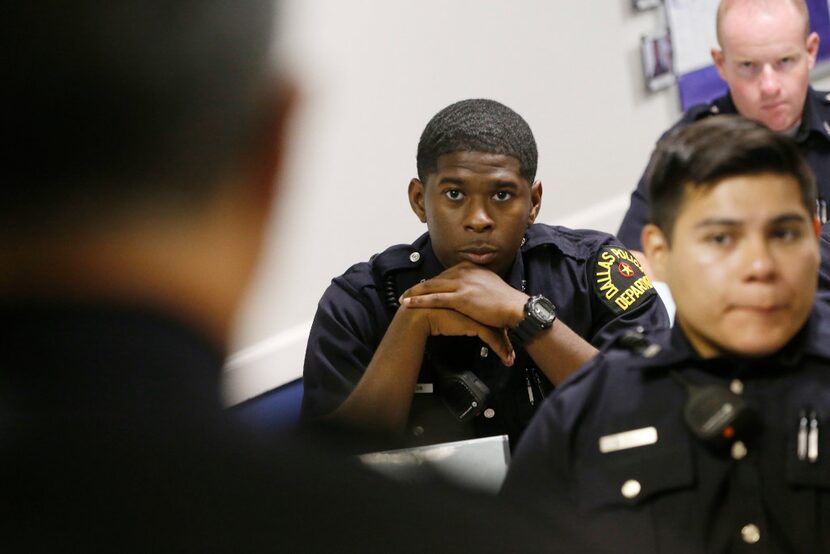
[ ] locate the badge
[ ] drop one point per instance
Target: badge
(628, 439)
(618, 279)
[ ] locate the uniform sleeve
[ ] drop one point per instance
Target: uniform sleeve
(623, 297)
(635, 218)
(347, 328)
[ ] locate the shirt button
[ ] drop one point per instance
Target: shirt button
(489, 413)
(750, 533)
(738, 450)
(631, 488)
(414, 257)
(736, 386)
(417, 430)
(484, 352)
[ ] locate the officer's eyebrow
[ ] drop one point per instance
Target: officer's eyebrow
(506, 185)
(789, 218)
(792, 217)
(497, 184)
(718, 221)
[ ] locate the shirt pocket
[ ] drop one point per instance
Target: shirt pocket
(808, 495)
(635, 476)
(637, 497)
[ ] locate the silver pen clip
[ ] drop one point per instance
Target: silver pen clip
(803, 427)
(812, 439)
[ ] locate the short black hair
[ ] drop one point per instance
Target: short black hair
(478, 125)
(117, 103)
(716, 148)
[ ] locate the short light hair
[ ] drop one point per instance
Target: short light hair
(726, 5)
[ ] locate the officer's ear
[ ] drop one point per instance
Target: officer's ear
(657, 248)
(535, 201)
(812, 49)
(718, 59)
(416, 199)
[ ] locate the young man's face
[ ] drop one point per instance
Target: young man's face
(477, 208)
(766, 61)
(742, 265)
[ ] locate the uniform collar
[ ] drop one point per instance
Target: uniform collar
(677, 350)
(812, 121)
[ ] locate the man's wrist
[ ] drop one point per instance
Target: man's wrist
(517, 313)
(539, 315)
(414, 321)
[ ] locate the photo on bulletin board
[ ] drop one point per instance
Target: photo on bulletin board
(645, 4)
(657, 61)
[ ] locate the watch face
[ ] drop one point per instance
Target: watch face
(543, 310)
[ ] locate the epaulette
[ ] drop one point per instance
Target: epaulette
(396, 258)
(397, 269)
(718, 106)
(647, 352)
(636, 341)
(579, 244)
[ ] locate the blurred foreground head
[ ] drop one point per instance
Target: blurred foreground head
(144, 139)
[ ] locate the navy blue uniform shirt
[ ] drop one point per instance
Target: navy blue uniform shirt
(813, 136)
(113, 439)
(610, 459)
(597, 287)
(823, 293)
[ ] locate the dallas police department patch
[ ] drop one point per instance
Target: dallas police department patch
(619, 280)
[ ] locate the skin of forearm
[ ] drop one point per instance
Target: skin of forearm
(382, 398)
(559, 351)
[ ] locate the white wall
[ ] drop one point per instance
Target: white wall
(373, 72)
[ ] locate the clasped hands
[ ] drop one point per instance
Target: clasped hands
(470, 300)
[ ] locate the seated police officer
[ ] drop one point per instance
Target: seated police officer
(431, 320)
(708, 437)
(765, 56)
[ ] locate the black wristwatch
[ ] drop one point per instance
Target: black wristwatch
(540, 313)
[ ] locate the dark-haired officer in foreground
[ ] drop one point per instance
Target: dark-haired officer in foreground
(481, 316)
(146, 138)
(710, 437)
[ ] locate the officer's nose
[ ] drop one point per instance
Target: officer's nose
(760, 262)
(478, 218)
(770, 85)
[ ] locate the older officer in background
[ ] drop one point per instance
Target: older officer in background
(145, 137)
(765, 56)
(708, 438)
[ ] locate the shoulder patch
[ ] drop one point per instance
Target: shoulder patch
(618, 279)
